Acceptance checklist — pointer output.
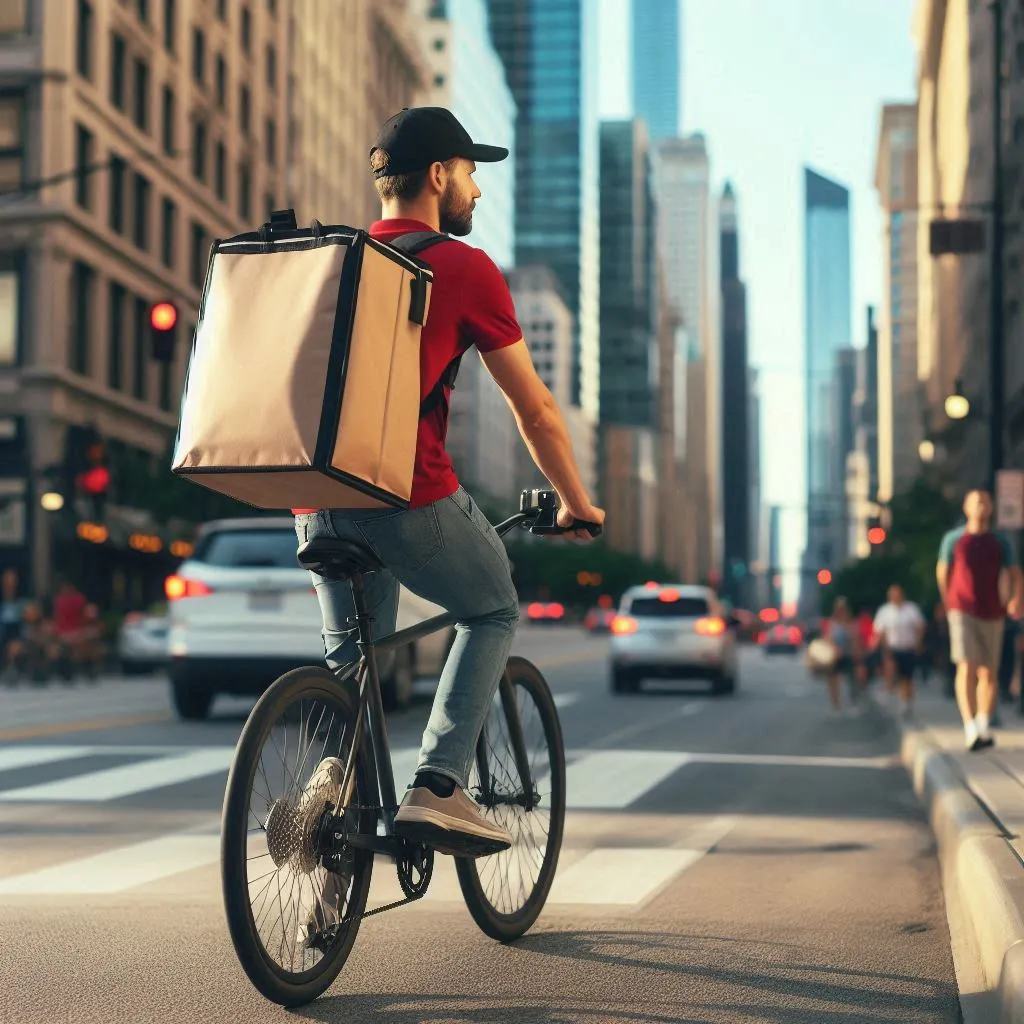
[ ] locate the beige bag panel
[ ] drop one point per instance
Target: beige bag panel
(300, 489)
(267, 319)
(376, 439)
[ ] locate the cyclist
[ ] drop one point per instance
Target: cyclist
(443, 547)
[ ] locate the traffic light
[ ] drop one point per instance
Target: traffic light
(876, 531)
(824, 577)
(163, 322)
(87, 465)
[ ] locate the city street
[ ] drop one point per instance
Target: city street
(733, 859)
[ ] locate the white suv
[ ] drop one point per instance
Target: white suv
(242, 611)
(672, 631)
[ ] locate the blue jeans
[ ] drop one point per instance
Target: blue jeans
(448, 553)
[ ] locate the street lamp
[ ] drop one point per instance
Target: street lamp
(926, 450)
(52, 501)
(957, 405)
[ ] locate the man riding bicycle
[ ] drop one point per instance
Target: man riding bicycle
(443, 547)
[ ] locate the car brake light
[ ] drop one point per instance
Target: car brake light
(795, 635)
(556, 610)
(710, 627)
(177, 587)
(535, 610)
(624, 624)
(669, 596)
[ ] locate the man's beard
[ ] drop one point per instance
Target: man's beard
(456, 214)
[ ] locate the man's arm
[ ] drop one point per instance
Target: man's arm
(943, 563)
(542, 425)
(1011, 580)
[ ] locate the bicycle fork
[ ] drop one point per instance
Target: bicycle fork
(528, 797)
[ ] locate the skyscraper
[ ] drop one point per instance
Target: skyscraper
(735, 422)
(627, 251)
(656, 65)
(549, 49)
(827, 329)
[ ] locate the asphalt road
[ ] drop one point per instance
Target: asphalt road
(732, 859)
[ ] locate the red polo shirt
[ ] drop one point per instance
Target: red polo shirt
(470, 304)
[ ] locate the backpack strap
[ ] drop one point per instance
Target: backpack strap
(413, 243)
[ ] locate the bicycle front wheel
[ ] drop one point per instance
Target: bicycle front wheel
(292, 921)
(506, 892)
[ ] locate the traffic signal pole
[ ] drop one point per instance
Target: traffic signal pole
(996, 341)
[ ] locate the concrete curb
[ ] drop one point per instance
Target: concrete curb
(982, 880)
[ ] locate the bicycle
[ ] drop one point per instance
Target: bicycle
(325, 847)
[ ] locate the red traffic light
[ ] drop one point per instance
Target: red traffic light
(95, 481)
(824, 577)
(163, 316)
(876, 535)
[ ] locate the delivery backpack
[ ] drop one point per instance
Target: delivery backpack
(303, 385)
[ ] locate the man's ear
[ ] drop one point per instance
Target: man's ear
(437, 176)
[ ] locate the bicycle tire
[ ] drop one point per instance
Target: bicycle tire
(506, 926)
(287, 988)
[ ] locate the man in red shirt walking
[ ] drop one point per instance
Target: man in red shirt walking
(979, 583)
(443, 547)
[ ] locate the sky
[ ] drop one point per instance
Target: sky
(774, 86)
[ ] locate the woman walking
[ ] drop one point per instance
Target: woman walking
(841, 630)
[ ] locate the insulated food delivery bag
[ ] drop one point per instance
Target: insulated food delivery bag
(303, 385)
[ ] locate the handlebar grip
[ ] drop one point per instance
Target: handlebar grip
(594, 529)
(545, 525)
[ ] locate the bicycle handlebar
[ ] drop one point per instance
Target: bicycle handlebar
(539, 509)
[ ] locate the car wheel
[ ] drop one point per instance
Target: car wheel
(624, 681)
(191, 701)
(396, 688)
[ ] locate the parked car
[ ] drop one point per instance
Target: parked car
(545, 612)
(242, 611)
(782, 638)
(142, 643)
(672, 631)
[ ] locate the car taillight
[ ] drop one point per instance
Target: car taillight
(535, 610)
(177, 587)
(556, 610)
(622, 625)
(795, 635)
(710, 627)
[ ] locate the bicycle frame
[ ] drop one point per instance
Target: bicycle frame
(371, 707)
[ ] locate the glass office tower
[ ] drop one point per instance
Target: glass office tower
(656, 66)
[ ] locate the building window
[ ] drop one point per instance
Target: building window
(198, 56)
(271, 66)
(220, 183)
(222, 10)
(439, 44)
(168, 227)
(244, 191)
(140, 97)
(222, 81)
(10, 306)
(115, 356)
(244, 109)
(83, 39)
(197, 268)
(118, 172)
(199, 151)
(272, 8)
(168, 120)
(142, 10)
(438, 80)
(12, 141)
(140, 336)
(140, 212)
(246, 30)
(271, 140)
(83, 162)
(80, 340)
(118, 58)
(14, 17)
(170, 20)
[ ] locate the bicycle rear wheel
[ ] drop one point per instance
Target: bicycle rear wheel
(293, 922)
(506, 892)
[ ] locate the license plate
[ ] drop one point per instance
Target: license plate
(265, 601)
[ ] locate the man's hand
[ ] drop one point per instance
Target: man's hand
(588, 513)
(1013, 607)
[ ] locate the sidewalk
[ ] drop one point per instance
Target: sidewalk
(975, 804)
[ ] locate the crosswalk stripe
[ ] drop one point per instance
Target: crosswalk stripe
(117, 870)
(619, 875)
(615, 778)
(127, 780)
(28, 757)
(565, 700)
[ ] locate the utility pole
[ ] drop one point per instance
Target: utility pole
(996, 345)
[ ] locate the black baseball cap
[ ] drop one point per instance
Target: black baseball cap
(416, 137)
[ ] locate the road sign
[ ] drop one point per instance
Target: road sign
(1010, 499)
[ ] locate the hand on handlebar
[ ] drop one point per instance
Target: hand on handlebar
(587, 514)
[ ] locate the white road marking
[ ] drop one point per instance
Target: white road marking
(28, 757)
(615, 778)
(122, 868)
(619, 876)
(127, 780)
(796, 761)
(564, 700)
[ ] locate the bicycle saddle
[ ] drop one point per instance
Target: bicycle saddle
(335, 559)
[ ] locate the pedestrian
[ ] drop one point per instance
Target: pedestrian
(979, 583)
(840, 630)
(899, 628)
